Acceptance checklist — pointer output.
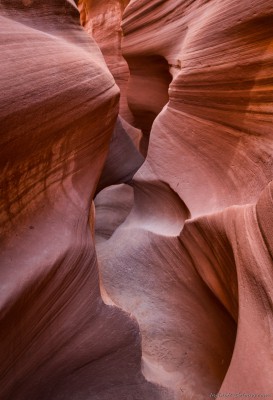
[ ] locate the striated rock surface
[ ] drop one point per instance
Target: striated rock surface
(219, 113)
(162, 287)
(201, 293)
(58, 339)
(102, 20)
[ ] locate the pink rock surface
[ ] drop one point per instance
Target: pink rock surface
(210, 157)
(160, 289)
(219, 116)
(58, 339)
(101, 20)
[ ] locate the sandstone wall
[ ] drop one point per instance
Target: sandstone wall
(162, 287)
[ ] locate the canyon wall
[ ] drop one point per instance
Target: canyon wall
(59, 104)
(161, 112)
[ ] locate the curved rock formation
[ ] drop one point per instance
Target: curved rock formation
(219, 113)
(59, 340)
(101, 20)
(160, 289)
(211, 148)
(123, 158)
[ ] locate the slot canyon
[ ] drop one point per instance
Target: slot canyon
(136, 252)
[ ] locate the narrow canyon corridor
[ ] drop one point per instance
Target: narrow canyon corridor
(136, 252)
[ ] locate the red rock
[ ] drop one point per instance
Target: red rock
(211, 145)
(101, 20)
(59, 340)
(184, 248)
(219, 115)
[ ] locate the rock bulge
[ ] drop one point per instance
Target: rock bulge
(136, 199)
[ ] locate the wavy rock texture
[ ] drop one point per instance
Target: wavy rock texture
(101, 20)
(219, 113)
(58, 339)
(201, 294)
(185, 251)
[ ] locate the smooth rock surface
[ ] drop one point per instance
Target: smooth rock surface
(160, 288)
(210, 147)
(59, 103)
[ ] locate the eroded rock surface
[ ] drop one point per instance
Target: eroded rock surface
(209, 156)
(162, 288)
(59, 104)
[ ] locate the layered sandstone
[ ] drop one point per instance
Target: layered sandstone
(209, 164)
(161, 288)
(59, 104)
